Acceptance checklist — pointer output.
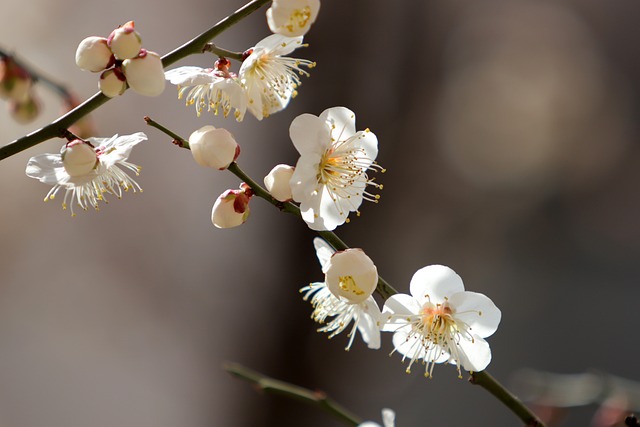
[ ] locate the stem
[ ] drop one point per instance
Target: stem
(316, 398)
(223, 53)
(194, 46)
(486, 381)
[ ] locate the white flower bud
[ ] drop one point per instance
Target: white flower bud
(144, 73)
(292, 18)
(112, 83)
(214, 148)
(93, 54)
(125, 42)
(277, 182)
(231, 209)
(79, 158)
(351, 274)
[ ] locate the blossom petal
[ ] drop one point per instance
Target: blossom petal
(368, 141)
(474, 355)
(190, 76)
(368, 320)
(477, 311)
(279, 45)
(310, 134)
(435, 283)
(47, 168)
(342, 121)
(397, 309)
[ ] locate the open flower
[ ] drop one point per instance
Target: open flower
(269, 78)
(215, 89)
(87, 170)
(356, 276)
(388, 419)
(331, 178)
(441, 322)
(292, 17)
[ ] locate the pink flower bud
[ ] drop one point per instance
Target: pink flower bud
(231, 209)
(25, 111)
(15, 81)
(144, 73)
(214, 148)
(94, 55)
(351, 274)
(112, 82)
(79, 158)
(125, 42)
(277, 182)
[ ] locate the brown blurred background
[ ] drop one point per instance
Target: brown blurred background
(509, 131)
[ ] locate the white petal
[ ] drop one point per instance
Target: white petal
(477, 311)
(368, 325)
(279, 45)
(309, 134)
(388, 417)
(323, 251)
(435, 283)
(47, 168)
(342, 121)
(369, 142)
(190, 76)
(475, 355)
(397, 308)
(409, 346)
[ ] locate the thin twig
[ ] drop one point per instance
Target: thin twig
(316, 398)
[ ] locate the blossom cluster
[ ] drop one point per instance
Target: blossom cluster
(439, 322)
(123, 62)
(266, 82)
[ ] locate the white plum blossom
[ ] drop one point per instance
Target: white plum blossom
(440, 322)
(292, 18)
(215, 89)
(331, 178)
(270, 78)
(277, 182)
(358, 306)
(87, 170)
(388, 419)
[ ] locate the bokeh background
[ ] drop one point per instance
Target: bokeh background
(509, 130)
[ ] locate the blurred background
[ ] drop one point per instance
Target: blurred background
(509, 132)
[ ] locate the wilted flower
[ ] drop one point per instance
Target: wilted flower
(87, 170)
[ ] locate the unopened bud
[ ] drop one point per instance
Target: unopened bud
(144, 73)
(214, 148)
(112, 82)
(351, 274)
(125, 42)
(94, 55)
(15, 81)
(25, 111)
(231, 209)
(277, 182)
(79, 158)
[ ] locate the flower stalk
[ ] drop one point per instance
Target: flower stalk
(316, 398)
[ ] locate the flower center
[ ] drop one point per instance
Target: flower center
(437, 323)
(349, 285)
(299, 17)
